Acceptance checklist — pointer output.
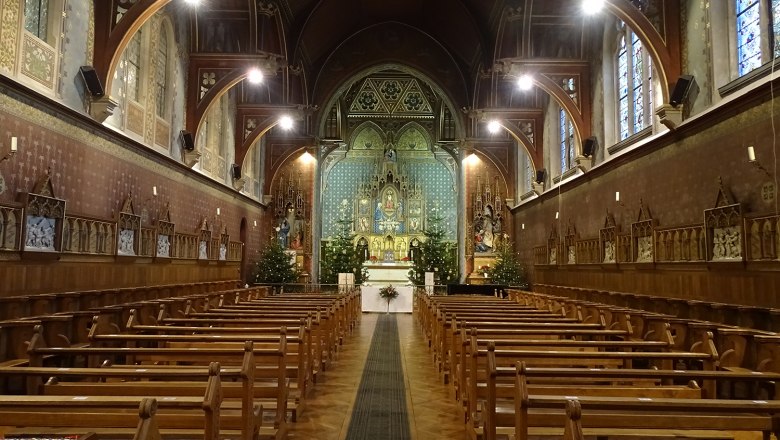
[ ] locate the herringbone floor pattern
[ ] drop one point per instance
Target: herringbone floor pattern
(433, 413)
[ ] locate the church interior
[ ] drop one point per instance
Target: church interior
(152, 151)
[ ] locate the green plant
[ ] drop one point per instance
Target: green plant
(340, 256)
(436, 255)
(274, 265)
(507, 269)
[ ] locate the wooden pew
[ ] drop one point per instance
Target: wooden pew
(267, 372)
(586, 382)
(187, 417)
(300, 362)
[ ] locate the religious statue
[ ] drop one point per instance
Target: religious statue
(283, 232)
(390, 200)
(390, 154)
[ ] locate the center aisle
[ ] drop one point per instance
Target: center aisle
(432, 411)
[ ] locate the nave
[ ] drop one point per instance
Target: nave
(242, 364)
(432, 410)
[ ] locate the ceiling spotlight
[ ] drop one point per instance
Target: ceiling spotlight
(525, 82)
(590, 7)
(472, 159)
(192, 2)
(494, 127)
(285, 122)
(255, 76)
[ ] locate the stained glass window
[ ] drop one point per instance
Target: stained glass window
(566, 133)
(36, 17)
(133, 68)
(776, 26)
(634, 85)
(748, 35)
(161, 73)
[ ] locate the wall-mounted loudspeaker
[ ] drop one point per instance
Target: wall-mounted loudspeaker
(589, 146)
(187, 141)
(682, 89)
(540, 175)
(92, 81)
(236, 171)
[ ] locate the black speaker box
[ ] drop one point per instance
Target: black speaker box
(589, 146)
(92, 81)
(236, 170)
(187, 141)
(540, 176)
(681, 89)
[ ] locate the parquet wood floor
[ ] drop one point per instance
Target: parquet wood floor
(433, 412)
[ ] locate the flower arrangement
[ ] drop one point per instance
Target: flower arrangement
(388, 293)
(405, 259)
(484, 270)
(372, 258)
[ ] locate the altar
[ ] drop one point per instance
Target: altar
(384, 273)
(372, 302)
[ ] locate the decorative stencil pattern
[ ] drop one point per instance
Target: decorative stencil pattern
(39, 61)
(390, 96)
(344, 178)
(9, 33)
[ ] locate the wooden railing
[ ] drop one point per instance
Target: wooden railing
(185, 246)
(588, 251)
(540, 255)
(624, 254)
(234, 251)
(761, 238)
(88, 236)
(148, 242)
(680, 244)
(11, 228)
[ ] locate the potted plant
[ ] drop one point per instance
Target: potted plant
(388, 293)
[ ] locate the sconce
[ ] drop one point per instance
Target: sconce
(617, 199)
(756, 163)
(14, 149)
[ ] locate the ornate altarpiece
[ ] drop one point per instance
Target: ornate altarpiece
(129, 229)
(389, 211)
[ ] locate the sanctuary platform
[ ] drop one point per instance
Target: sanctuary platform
(372, 302)
(384, 273)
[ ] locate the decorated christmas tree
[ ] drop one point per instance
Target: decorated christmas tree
(507, 270)
(436, 255)
(274, 265)
(340, 255)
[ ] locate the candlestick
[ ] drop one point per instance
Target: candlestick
(14, 144)
(154, 191)
(556, 215)
(218, 211)
(617, 196)
(751, 154)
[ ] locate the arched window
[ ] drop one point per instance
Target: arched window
(566, 139)
(36, 18)
(161, 73)
(748, 35)
(133, 68)
(634, 81)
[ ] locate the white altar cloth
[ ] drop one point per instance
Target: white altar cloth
(372, 302)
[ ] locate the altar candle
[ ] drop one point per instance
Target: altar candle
(751, 154)
(14, 144)
(617, 196)
(154, 191)
(522, 226)
(218, 211)
(556, 215)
